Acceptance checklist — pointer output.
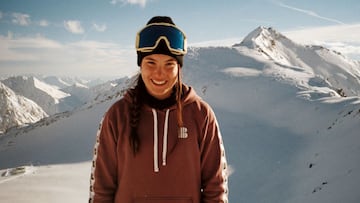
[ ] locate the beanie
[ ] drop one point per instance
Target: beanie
(162, 47)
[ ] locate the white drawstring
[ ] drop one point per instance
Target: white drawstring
(156, 164)
(156, 137)
(165, 137)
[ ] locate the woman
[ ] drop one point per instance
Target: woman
(160, 142)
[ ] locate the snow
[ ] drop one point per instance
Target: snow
(242, 72)
(289, 135)
(16, 110)
(62, 182)
(55, 81)
(43, 94)
(53, 92)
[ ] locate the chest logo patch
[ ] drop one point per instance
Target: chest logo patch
(183, 133)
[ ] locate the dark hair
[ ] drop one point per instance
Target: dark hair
(136, 93)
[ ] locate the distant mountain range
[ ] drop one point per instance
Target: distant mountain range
(51, 95)
(289, 115)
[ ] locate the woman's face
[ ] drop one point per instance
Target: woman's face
(159, 73)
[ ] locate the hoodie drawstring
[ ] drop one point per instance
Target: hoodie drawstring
(156, 138)
(165, 138)
(156, 164)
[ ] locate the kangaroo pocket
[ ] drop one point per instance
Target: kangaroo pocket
(163, 200)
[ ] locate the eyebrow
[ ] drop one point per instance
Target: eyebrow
(153, 59)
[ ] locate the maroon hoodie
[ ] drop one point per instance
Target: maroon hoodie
(170, 167)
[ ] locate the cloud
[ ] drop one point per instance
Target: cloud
(21, 19)
(350, 50)
(73, 26)
(342, 38)
(335, 33)
(141, 3)
(14, 50)
(99, 28)
(310, 13)
(43, 23)
(40, 55)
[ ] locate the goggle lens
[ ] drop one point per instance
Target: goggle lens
(149, 37)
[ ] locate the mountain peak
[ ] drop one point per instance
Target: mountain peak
(45, 95)
(17, 110)
(270, 43)
(261, 37)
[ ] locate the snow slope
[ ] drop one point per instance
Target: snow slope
(17, 110)
(290, 135)
(58, 82)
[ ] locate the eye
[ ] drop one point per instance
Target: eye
(171, 64)
(150, 62)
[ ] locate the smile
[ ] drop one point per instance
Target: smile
(158, 82)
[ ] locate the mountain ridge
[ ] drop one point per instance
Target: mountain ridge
(43, 94)
(16, 110)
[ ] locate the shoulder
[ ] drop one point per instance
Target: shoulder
(197, 104)
(119, 109)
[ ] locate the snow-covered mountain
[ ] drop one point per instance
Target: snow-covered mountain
(81, 94)
(46, 96)
(65, 81)
(58, 94)
(329, 68)
(56, 81)
(16, 110)
(291, 135)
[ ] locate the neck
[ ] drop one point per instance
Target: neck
(160, 104)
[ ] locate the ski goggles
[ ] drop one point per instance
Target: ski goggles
(148, 38)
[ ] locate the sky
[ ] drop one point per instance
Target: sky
(96, 37)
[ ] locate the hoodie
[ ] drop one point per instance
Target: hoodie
(172, 165)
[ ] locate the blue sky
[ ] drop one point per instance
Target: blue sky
(96, 37)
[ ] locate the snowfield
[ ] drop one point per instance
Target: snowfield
(289, 115)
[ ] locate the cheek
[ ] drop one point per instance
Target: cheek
(173, 76)
(173, 73)
(144, 72)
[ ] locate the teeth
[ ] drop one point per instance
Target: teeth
(157, 82)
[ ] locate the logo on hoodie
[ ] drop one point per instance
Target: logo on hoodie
(183, 133)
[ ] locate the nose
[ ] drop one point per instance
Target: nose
(158, 71)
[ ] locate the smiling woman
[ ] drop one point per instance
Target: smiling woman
(159, 114)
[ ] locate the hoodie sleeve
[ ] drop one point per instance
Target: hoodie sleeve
(213, 162)
(103, 173)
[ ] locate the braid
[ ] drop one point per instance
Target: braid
(135, 109)
(137, 102)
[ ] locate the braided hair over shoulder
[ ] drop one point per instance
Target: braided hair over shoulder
(136, 93)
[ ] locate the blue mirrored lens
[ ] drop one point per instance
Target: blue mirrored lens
(149, 36)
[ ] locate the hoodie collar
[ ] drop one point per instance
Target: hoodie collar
(159, 104)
